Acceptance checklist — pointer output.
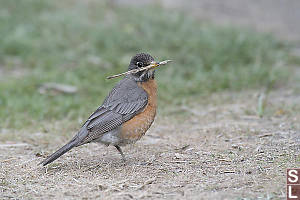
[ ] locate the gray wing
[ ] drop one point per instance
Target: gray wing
(125, 101)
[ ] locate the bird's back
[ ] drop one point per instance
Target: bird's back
(124, 103)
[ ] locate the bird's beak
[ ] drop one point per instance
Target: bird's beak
(154, 64)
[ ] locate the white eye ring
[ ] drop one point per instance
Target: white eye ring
(139, 64)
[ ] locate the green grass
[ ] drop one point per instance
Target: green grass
(80, 43)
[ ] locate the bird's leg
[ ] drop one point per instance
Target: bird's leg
(121, 152)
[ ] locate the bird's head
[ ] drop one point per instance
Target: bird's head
(143, 60)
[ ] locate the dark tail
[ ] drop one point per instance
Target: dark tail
(76, 141)
(60, 152)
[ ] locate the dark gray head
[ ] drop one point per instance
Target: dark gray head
(142, 60)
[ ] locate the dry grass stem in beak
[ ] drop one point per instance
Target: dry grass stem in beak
(151, 66)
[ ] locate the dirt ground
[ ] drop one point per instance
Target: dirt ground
(219, 150)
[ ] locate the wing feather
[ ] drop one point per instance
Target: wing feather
(124, 101)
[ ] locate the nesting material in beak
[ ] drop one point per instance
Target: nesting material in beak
(151, 66)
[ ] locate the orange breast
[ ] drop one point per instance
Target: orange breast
(135, 128)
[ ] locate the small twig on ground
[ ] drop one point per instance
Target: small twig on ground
(224, 160)
(228, 172)
(92, 167)
(183, 148)
(120, 182)
(179, 161)
(148, 182)
(265, 135)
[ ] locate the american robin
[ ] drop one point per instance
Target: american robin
(125, 115)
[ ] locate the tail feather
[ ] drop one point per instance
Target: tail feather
(59, 152)
(76, 141)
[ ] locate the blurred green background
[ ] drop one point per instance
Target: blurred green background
(79, 43)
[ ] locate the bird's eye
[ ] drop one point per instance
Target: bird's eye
(139, 64)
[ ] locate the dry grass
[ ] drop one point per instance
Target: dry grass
(220, 151)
